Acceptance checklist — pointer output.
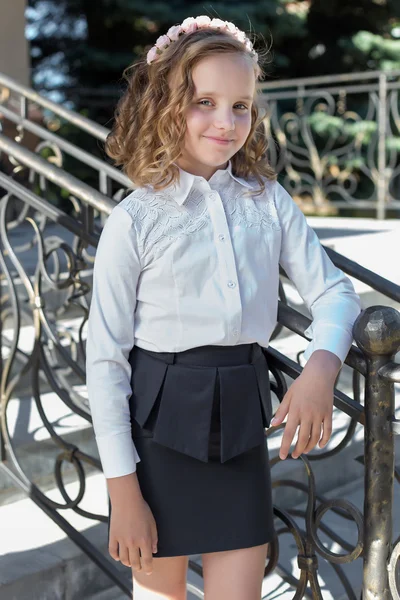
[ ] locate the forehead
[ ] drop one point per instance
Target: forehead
(225, 74)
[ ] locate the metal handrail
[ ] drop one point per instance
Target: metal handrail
(71, 149)
(56, 175)
(50, 211)
(69, 115)
(322, 79)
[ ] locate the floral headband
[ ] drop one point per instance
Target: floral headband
(192, 24)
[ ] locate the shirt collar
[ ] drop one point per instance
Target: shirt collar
(180, 189)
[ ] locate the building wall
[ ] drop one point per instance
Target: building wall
(14, 53)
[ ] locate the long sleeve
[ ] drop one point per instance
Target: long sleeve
(327, 292)
(110, 338)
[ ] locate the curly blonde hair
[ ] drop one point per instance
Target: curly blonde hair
(150, 125)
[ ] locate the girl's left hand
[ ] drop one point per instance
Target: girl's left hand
(309, 405)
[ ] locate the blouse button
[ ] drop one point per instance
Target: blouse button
(213, 196)
(231, 284)
(221, 237)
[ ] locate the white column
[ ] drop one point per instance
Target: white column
(14, 49)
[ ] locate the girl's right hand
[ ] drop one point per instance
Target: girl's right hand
(133, 528)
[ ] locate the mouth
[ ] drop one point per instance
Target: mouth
(219, 140)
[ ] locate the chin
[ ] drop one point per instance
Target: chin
(218, 162)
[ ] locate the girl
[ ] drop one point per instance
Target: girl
(185, 295)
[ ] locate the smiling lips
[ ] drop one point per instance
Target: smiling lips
(219, 140)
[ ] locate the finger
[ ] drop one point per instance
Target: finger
(146, 558)
(124, 555)
(289, 433)
(303, 439)
(113, 549)
(315, 436)
(154, 536)
(134, 557)
(327, 431)
(282, 411)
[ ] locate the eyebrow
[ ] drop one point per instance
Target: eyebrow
(249, 98)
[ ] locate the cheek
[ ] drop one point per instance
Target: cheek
(244, 123)
(196, 120)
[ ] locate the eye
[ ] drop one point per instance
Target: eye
(209, 101)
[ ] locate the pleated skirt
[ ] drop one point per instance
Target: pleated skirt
(198, 423)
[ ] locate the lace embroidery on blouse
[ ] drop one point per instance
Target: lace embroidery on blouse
(160, 221)
(259, 211)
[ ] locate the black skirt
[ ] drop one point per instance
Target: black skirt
(198, 423)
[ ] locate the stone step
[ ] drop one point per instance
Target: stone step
(112, 593)
(35, 450)
(39, 562)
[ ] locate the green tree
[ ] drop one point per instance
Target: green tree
(79, 45)
(353, 36)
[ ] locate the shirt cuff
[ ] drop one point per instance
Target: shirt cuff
(329, 337)
(118, 454)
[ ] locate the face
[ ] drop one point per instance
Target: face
(219, 117)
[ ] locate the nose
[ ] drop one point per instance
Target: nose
(225, 119)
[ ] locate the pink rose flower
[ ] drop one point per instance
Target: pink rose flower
(248, 45)
(163, 41)
(217, 24)
(203, 21)
(231, 27)
(152, 54)
(241, 36)
(173, 32)
(189, 25)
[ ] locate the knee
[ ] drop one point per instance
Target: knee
(146, 589)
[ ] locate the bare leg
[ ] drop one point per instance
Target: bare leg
(234, 574)
(166, 582)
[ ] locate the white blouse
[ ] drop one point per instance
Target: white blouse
(198, 264)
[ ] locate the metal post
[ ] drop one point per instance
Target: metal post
(381, 183)
(377, 333)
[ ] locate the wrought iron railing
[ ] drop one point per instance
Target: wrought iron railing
(45, 295)
(337, 140)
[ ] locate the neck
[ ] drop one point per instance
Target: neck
(199, 169)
